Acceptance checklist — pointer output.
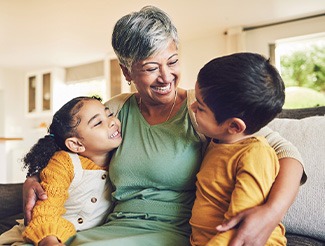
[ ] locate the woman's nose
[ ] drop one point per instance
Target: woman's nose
(165, 75)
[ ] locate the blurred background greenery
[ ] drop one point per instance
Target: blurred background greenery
(303, 72)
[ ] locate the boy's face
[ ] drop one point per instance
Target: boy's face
(207, 123)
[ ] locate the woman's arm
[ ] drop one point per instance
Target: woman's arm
(32, 191)
(252, 229)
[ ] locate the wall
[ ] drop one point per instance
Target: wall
(258, 40)
(197, 52)
(12, 96)
(193, 55)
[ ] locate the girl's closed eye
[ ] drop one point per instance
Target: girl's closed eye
(98, 123)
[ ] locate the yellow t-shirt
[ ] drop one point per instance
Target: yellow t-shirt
(232, 178)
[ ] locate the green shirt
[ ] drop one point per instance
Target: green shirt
(154, 170)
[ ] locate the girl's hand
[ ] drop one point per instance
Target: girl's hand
(50, 241)
(32, 191)
(255, 226)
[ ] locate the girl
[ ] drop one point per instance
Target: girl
(75, 156)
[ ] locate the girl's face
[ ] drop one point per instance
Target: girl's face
(207, 124)
(156, 78)
(99, 131)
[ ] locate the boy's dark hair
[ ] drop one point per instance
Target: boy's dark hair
(63, 126)
(242, 85)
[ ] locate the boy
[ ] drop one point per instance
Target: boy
(236, 96)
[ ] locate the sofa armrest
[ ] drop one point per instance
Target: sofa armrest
(11, 201)
(301, 113)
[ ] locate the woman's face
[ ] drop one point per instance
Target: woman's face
(156, 78)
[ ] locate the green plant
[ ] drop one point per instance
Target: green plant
(305, 68)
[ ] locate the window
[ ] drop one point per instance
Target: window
(301, 62)
(88, 88)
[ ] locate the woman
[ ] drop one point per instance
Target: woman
(154, 170)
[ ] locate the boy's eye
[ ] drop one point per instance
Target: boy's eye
(200, 109)
(110, 115)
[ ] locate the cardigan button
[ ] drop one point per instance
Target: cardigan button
(80, 220)
(93, 199)
(104, 176)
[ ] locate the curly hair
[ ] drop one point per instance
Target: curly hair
(64, 125)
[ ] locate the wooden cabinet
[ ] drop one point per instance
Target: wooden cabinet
(39, 93)
(117, 82)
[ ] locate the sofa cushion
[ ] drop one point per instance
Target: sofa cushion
(307, 215)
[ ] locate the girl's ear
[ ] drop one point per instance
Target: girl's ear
(236, 126)
(126, 73)
(74, 145)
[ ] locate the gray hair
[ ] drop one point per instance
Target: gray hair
(138, 35)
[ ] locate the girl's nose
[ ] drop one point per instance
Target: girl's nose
(111, 123)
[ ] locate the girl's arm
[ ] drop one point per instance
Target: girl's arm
(47, 214)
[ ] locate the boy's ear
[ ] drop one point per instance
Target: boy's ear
(126, 73)
(74, 145)
(236, 125)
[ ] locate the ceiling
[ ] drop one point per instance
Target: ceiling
(36, 34)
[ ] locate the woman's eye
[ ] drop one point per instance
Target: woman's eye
(152, 69)
(173, 62)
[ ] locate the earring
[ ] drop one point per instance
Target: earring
(129, 82)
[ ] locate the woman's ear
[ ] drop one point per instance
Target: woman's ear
(74, 145)
(236, 126)
(126, 73)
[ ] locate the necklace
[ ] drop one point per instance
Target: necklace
(171, 110)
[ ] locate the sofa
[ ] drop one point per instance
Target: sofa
(304, 221)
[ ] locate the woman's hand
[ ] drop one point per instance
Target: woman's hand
(32, 191)
(255, 226)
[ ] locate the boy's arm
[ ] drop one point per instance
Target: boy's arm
(255, 231)
(47, 215)
(255, 173)
(252, 230)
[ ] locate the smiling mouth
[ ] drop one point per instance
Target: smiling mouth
(115, 134)
(162, 89)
